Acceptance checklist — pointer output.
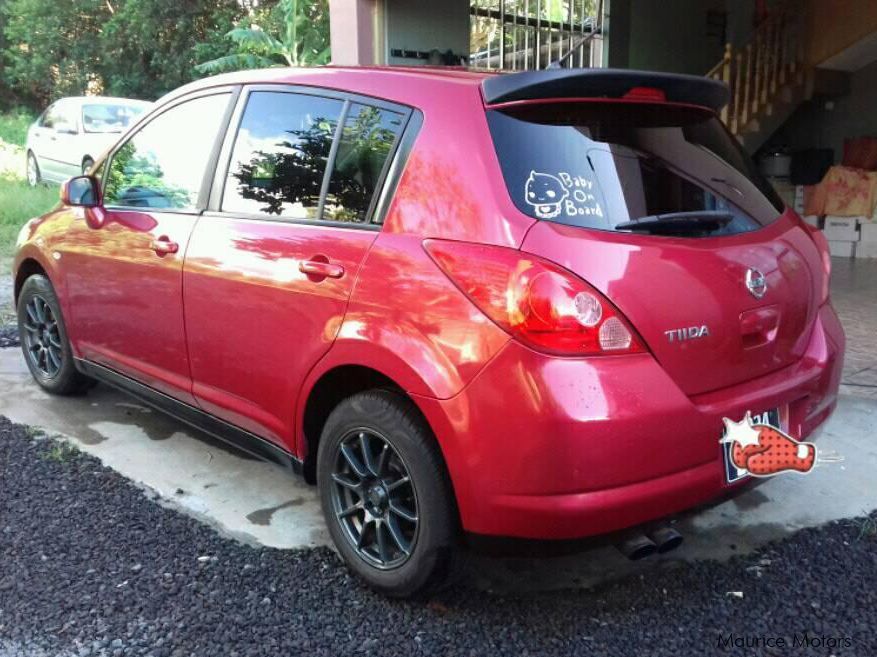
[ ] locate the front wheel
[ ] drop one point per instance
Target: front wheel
(87, 163)
(44, 340)
(386, 496)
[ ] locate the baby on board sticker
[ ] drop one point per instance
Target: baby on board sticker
(550, 195)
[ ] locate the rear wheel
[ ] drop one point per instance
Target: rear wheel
(44, 339)
(33, 170)
(386, 496)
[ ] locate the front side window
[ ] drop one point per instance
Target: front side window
(366, 142)
(280, 154)
(163, 164)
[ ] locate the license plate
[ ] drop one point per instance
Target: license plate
(732, 472)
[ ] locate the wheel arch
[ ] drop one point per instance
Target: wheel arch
(325, 393)
(27, 267)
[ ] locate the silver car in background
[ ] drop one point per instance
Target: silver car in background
(69, 136)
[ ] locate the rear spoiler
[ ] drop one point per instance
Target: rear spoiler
(603, 83)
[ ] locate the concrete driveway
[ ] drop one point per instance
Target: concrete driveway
(259, 503)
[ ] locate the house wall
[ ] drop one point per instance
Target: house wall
(837, 24)
(426, 25)
(854, 115)
(672, 36)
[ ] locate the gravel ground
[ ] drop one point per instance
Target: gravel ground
(9, 336)
(90, 565)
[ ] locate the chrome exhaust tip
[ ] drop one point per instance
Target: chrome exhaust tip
(666, 539)
(636, 547)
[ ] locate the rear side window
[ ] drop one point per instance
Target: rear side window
(366, 142)
(598, 165)
(280, 154)
(282, 150)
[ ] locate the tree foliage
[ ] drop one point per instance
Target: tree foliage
(292, 33)
(145, 48)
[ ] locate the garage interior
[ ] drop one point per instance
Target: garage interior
(802, 76)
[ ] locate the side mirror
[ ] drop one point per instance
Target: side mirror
(81, 191)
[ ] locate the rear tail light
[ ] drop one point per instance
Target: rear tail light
(536, 301)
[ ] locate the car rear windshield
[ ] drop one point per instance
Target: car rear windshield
(104, 117)
(601, 164)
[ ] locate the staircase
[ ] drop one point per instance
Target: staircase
(768, 77)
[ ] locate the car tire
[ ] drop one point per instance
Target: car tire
(373, 539)
(87, 163)
(33, 170)
(44, 341)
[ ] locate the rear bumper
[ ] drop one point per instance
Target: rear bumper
(552, 448)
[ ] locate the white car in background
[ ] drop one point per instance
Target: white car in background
(70, 135)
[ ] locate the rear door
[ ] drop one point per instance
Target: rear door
(125, 280)
(717, 304)
(270, 268)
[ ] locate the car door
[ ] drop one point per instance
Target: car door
(65, 142)
(44, 142)
(125, 278)
(271, 266)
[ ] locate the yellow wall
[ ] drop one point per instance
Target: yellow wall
(837, 24)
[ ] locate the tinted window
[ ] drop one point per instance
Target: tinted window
(163, 164)
(600, 164)
(280, 155)
(104, 117)
(367, 139)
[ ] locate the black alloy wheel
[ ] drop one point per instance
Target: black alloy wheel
(374, 499)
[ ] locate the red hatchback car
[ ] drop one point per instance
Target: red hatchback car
(502, 305)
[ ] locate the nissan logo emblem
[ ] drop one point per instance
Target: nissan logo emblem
(756, 283)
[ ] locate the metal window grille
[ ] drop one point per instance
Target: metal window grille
(522, 35)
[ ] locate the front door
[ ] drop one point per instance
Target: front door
(125, 280)
(268, 274)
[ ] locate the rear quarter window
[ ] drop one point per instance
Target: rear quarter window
(598, 164)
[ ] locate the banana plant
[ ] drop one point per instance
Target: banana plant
(300, 42)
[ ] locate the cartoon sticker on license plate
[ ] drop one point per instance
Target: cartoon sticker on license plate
(757, 447)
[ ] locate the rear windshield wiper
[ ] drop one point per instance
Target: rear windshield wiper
(679, 222)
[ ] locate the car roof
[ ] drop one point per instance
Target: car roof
(391, 82)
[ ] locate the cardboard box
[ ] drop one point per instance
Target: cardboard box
(866, 249)
(868, 232)
(841, 229)
(811, 220)
(841, 249)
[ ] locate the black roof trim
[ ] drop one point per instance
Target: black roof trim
(602, 83)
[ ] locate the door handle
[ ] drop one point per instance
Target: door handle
(163, 245)
(317, 270)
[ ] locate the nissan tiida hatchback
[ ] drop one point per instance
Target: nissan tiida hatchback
(462, 304)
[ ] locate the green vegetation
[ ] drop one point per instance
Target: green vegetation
(14, 125)
(145, 48)
(302, 39)
(61, 451)
(18, 203)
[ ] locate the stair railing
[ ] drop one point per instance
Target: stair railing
(759, 70)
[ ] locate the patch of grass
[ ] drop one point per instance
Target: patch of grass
(61, 451)
(18, 203)
(34, 432)
(867, 527)
(14, 125)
